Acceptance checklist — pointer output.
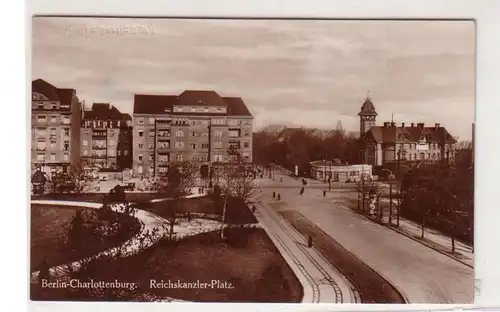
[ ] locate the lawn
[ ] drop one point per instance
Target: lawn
(49, 228)
(236, 212)
(257, 272)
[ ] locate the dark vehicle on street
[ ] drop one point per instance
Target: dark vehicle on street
(130, 187)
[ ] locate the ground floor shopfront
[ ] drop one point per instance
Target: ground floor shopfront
(50, 168)
(334, 172)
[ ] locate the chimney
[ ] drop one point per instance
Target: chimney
(393, 124)
(403, 125)
(386, 124)
(437, 125)
(412, 124)
(420, 125)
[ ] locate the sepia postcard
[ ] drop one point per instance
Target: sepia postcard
(252, 160)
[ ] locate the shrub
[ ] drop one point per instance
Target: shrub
(237, 237)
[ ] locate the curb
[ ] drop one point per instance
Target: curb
(416, 240)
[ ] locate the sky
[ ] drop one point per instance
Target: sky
(293, 72)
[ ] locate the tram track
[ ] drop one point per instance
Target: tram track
(327, 278)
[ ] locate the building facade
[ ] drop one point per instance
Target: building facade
(393, 143)
(55, 127)
(337, 172)
(199, 126)
(106, 138)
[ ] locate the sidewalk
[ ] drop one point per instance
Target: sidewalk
(321, 282)
(432, 238)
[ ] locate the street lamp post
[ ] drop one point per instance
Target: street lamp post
(330, 175)
(324, 168)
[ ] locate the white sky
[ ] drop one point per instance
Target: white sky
(299, 73)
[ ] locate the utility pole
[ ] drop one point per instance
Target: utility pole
(390, 200)
(324, 168)
(363, 188)
(330, 175)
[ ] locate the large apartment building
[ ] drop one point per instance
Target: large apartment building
(55, 127)
(106, 138)
(198, 126)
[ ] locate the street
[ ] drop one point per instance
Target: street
(421, 274)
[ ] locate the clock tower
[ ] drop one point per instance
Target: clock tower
(367, 116)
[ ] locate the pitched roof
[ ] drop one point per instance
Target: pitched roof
(103, 111)
(200, 97)
(236, 107)
(400, 134)
(160, 104)
(43, 87)
(66, 96)
(153, 104)
(367, 109)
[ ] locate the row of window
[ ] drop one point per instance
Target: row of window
(198, 122)
(424, 156)
(194, 109)
(99, 143)
(180, 144)
(42, 132)
(53, 106)
(180, 157)
(42, 145)
(412, 146)
(53, 157)
(106, 123)
(103, 133)
(52, 119)
(180, 133)
(102, 153)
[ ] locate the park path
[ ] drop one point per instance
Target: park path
(320, 281)
(150, 223)
(420, 273)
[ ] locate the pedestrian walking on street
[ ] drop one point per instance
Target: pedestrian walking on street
(274, 194)
(302, 191)
(279, 196)
(324, 193)
(309, 241)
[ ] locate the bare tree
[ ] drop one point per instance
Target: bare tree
(180, 179)
(77, 177)
(463, 145)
